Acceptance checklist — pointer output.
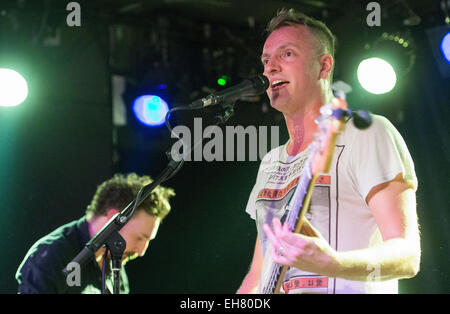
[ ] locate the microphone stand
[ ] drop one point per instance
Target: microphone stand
(109, 235)
(116, 246)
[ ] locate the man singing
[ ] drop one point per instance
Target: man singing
(361, 231)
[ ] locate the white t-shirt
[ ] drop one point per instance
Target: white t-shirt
(361, 160)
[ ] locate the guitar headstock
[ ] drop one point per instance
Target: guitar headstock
(330, 125)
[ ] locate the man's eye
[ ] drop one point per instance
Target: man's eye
(288, 53)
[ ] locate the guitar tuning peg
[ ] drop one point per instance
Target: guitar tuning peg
(326, 110)
(340, 94)
(322, 127)
(335, 102)
(317, 138)
(323, 124)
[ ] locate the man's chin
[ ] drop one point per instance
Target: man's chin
(278, 105)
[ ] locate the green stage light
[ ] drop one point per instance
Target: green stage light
(13, 88)
(222, 81)
(387, 63)
(376, 75)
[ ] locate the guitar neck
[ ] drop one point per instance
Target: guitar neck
(295, 209)
(299, 203)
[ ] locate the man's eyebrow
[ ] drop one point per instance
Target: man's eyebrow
(264, 55)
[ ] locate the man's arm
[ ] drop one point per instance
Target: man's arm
(251, 280)
(33, 279)
(393, 205)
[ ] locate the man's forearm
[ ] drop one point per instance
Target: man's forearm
(393, 259)
(249, 284)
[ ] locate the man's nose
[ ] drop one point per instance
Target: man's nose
(272, 66)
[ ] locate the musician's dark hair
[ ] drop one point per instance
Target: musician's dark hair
(119, 191)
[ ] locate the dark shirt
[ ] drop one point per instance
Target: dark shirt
(41, 269)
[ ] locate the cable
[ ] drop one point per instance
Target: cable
(103, 270)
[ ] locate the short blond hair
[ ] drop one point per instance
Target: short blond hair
(323, 35)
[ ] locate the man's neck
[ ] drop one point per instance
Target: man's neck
(301, 128)
(302, 125)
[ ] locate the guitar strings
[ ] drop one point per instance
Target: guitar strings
(291, 219)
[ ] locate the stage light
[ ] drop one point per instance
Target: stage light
(13, 88)
(150, 110)
(445, 46)
(439, 39)
(376, 76)
(222, 81)
(387, 61)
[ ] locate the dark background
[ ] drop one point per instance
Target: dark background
(57, 146)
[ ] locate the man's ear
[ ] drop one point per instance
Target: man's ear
(111, 212)
(326, 65)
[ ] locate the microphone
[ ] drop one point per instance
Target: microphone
(248, 87)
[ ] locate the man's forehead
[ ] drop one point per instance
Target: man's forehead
(144, 218)
(283, 46)
(296, 35)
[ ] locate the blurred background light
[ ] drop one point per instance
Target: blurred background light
(387, 62)
(222, 81)
(13, 88)
(445, 46)
(376, 75)
(439, 40)
(150, 110)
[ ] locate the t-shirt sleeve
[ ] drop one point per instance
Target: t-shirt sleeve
(250, 209)
(378, 155)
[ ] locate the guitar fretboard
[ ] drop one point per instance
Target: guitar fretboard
(295, 211)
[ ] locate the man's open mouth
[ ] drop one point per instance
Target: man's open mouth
(277, 84)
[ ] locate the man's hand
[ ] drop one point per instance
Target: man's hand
(309, 251)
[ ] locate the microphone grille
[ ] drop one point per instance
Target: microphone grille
(261, 84)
